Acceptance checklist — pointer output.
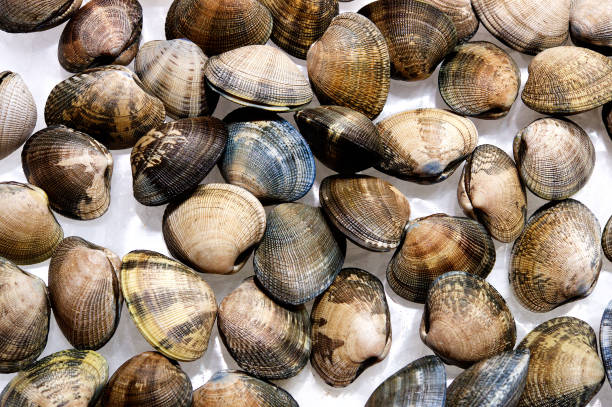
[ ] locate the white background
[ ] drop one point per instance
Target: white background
(128, 225)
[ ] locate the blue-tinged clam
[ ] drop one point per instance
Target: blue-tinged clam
(605, 340)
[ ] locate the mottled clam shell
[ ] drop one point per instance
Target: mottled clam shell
(266, 339)
(267, 156)
(555, 158)
(435, 245)
(425, 145)
(173, 158)
(462, 14)
(299, 255)
(215, 229)
(84, 292)
(591, 25)
(19, 16)
(349, 65)
(479, 79)
(459, 308)
(17, 112)
(74, 169)
(605, 340)
(107, 103)
(606, 239)
(564, 369)
(369, 211)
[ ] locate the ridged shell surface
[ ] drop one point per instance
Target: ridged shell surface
(605, 340)
(591, 25)
(17, 112)
(19, 16)
(606, 239)
(462, 14)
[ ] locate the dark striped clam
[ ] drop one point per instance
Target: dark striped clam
(606, 115)
(17, 112)
(19, 16)
(462, 14)
(605, 340)
(606, 239)
(591, 25)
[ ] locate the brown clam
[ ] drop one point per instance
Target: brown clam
(606, 239)
(19, 16)
(17, 112)
(591, 25)
(462, 14)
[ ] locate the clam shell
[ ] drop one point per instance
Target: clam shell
(591, 25)
(266, 339)
(102, 32)
(459, 308)
(558, 257)
(260, 76)
(173, 71)
(435, 245)
(349, 65)
(171, 305)
(19, 16)
(267, 156)
(606, 115)
(568, 80)
(107, 103)
(299, 255)
(173, 158)
(564, 369)
(461, 13)
(29, 230)
(420, 384)
(479, 79)
(369, 211)
(215, 229)
(74, 169)
(606, 239)
(418, 34)
(351, 327)
(24, 325)
(65, 378)
(425, 145)
(555, 158)
(84, 292)
(605, 340)
(17, 112)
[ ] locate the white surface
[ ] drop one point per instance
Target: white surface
(128, 225)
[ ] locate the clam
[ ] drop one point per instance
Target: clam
(349, 65)
(266, 339)
(558, 257)
(568, 80)
(495, 382)
(435, 245)
(260, 76)
(479, 79)
(235, 388)
(65, 378)
(215, 229)
(420, 384)
(29, 230)
(555, 158)
(369, 211)
(591, 25)
(19, 16)
(25, 310)
(218, 26)
(606, 239)
(528, 26)
(84, 292)
(148, 379)
(351, 327)
(299, 255)
(459, 308)
(267, 156)
(17, 112)
(341, 138)
(605, 340)
(171, 305)
(173, 71)
(102, 32)
(107, 103)
(418, 34)
(606, 114)
(74, 169)
(173, 158)
(462, 14)
(490, 191)
(564, 368)
(425, 145)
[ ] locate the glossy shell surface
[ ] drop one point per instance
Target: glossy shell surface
(606, 239)
(18, 16)
(462, 14)
(605, 340)
(591, 25)
(17, 112)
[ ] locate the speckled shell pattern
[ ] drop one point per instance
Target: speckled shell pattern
(606, 239)
(107, 103)
(462, 15)
(84, 292)
(425, 145)
(19, 16)
(73, 169)
(466, 320)
(265, 338)
(24, 326)
(564, 368)
(605, 340)
(299, 255)
(173, 158)
(171, 305)
(349, 65)
(418, 34)
(421, 383)
(17, 112)
(558, 257)
(591, 25)
(435, 245)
